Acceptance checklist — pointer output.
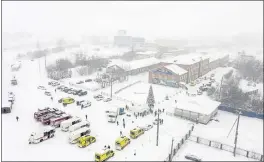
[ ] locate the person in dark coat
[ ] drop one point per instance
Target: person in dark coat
(86, 117)
(124, 125)
(55, 90)
(117, 123)
(123, 120)
(17, 118)
(121, 134)
(163, 110)
(51, 98)
(108, 146)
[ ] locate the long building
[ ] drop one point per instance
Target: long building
(168, 75)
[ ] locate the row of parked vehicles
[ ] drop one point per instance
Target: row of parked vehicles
(120, 144)
(72, 91)
(100, 97)
(56, 118)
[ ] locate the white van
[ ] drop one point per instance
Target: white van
(74, 136)
(78, 126)
(67, 123)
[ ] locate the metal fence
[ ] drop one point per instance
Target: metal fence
(219, 145)
(179, 144)
(230, 108)
(127, 86)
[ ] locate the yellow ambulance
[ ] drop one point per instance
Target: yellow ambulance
(122, 142)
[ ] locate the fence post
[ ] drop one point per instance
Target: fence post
(197, 140)
(210, 143)
(221, 146)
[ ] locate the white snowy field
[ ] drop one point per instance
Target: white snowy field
(206, 153)
(250, 132)
(29, 99)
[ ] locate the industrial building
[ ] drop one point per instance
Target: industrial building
(168, 75)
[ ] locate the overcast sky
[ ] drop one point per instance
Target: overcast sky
(138, 18)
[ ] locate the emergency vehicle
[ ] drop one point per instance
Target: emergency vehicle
(104, 155)
(57, 121)
(136, 132)
(79, 126)
(49, 132)
(67, 123)
(122, 142)
(86, 140)
(74, 136)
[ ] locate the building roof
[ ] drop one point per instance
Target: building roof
(199, 104)
(187, 59)
(176, 69)
(143, 63)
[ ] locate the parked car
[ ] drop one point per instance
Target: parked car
(107, 99)
(82, 93)
(41, 87)
(147, 127)
(203, 88)
(80, 82)
(96, 96)
(86, 104)
(88, 80)
(47, 93)
(192, 157)
(99, 98)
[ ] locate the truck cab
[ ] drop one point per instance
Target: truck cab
(136, 132)
(104, 155)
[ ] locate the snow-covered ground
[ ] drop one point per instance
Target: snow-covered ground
(28, 99)
(243, 85)
(206, 153)
(250, 133)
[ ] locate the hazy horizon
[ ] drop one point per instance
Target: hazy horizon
(147, 19)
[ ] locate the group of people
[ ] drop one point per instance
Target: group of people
(124, 124)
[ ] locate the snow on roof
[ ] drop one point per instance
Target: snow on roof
(176, 69)
(143, 63)
(147, 53)
(188, 59)
(215, 56)
(198, 104)
(245, 88)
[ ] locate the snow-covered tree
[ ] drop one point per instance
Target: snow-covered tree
(150, 99)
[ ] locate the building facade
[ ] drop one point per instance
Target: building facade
(169, 75)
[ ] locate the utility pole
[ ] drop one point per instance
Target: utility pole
(157, 144)
(111, 82)
(171, 149)
(220, 91)
(236, 133)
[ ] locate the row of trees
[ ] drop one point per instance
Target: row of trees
(83, 65)
(251, 69)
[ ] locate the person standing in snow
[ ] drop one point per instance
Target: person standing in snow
(117, 123)
(163, 110)
(86, 116)
(17, 118)
(55, 90)
(121, 134)
(124, 125)
(51, 98)
(135, 152)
